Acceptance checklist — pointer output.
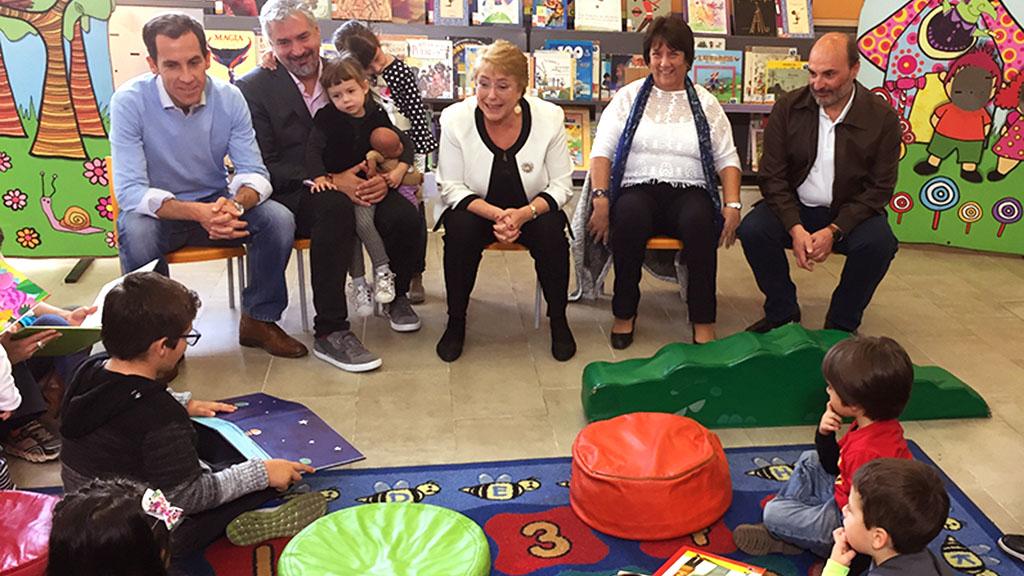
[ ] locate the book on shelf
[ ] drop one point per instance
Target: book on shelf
(598, 15)
(584, 53)
(232, 53)
(578, 136)
(708, 16)
(798, 20)
(698, 562)
(432, 62)
(782, 76)
(550, 14)
(464, 57)
(754, 18)
(488, 12)
(641, 13)
(377, 10)
(554, 74)
(709, 43)
(721, 72)
(755, 139)
(397, 45)
(614, 69)
(321, 9)
(755, 73)
(408, 12)
(451, 12)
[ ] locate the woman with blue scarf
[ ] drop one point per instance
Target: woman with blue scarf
(661, 148)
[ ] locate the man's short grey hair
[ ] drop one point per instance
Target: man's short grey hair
(281, 10)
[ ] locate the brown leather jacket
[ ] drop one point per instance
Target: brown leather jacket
(867, 157)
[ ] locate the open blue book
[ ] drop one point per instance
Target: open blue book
(266, 427)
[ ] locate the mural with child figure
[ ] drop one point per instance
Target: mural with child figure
(54, 98)
(951, 70)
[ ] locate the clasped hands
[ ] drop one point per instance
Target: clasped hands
(508, 223)
(810, 248)
(361, 191)
(222, 220)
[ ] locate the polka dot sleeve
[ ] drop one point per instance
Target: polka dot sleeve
(402, 81)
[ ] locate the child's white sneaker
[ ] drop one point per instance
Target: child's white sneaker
(383, 285)
(360, 297)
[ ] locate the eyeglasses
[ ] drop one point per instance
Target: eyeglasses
(192, 337)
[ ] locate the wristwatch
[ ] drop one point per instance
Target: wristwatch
(599, 193)
(736, 205)
(239, 207)
(837, 233)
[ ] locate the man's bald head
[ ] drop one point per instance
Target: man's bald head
(832, 70)
(839, 44)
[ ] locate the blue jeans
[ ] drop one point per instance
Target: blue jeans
(271, 234)
(805, 512)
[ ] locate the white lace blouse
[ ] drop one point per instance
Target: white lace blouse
(665, 147)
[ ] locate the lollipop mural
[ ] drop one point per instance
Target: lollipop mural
(938, 195)
(1006, 211)
(901, 203)
(969, 213)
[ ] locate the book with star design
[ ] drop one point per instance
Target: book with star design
(266, 427)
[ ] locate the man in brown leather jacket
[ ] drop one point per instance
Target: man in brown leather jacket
(831, 154)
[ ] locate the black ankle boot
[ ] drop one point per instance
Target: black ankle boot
(563, 345)
(449, 347)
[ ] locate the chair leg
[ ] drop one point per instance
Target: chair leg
(536, 306)
(300, 259)
(231, 286)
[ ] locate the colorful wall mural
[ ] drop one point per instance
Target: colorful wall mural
(55, 88)
(951, 70)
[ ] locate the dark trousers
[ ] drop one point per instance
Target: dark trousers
(647, 210)
(465, 237)
(869, 249)
(328, 220)
(404, 235)
(197, 531)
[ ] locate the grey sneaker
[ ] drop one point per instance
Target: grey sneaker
(344, 350)
(33, 442)
(403, 318)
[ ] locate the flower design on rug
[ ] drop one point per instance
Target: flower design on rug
(5, 162)
(105, 207)
(28, 237)
(96, 171)
(15, 199)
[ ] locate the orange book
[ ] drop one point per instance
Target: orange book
(688, 561)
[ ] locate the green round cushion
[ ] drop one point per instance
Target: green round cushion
(389, 540)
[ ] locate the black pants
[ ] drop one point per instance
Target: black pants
(328, 220)
(404, 235)
(686, 214)
(869, 249)
(197, 531)
(465, 237)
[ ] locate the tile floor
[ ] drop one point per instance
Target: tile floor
(507, 398)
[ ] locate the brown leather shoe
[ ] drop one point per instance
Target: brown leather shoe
(270, 337)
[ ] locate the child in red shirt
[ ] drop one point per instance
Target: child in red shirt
(869, 380)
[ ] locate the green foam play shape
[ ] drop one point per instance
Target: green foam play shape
(389, 540)
(748, 380)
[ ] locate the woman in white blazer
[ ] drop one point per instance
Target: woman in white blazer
(505, 175)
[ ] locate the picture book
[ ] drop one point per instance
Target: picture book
(721, 72)
(755, 73)
(18, 295)
(397, 45)
(464, 55)
(432, 62)
(709, 43)
(755, 137)
(798, 18)
(598, 15)
(640, 13)
(700, 563)
(708, 16)
(783, 76)
(577, 131)
(554, 75)
(754, 18)
(321, 9)
(613, 70)
(72, 338)
(550, 14)
(497, 12)
(266, 427)
(451, 12)
(582, 51)
(379, 10)
(408, 12)
(232, 53)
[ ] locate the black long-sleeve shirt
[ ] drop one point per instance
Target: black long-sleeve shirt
(339, 141)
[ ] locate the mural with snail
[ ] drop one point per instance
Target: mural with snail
(952, 71)
(54, 121)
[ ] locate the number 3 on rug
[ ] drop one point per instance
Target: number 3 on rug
(550, 544)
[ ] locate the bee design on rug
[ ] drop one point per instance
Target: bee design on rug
(400, 492)
(778, 470)
(563, 484)
(967, 560)
(953, 525)
(502, 488)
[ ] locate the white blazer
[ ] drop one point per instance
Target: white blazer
(464, 161)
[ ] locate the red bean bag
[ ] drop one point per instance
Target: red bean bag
(649, 476)
(25, 539)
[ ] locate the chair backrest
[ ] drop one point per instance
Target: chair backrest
(506, 247)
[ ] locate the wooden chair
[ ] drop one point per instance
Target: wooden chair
(196, 253)
(503, 247)
(300, 245)
(664, 243)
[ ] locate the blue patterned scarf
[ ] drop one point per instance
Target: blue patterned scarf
(707, 160)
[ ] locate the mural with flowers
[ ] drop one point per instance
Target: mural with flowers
(54, 120)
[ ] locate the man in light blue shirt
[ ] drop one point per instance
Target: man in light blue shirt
(170, 132)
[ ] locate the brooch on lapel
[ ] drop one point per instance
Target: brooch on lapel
(527, 167)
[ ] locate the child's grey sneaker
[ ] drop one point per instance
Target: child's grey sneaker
(756, 540)
(360, 298)
(384, 285)
(403, 318)
(5, 474)
(288, 519)
(33, 442)
(344, 350)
